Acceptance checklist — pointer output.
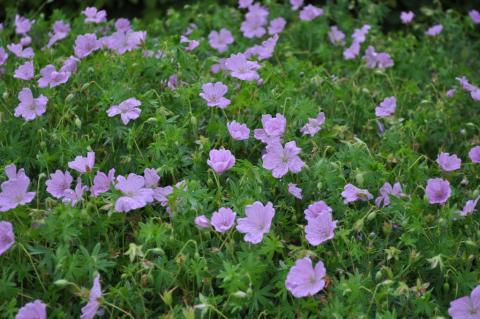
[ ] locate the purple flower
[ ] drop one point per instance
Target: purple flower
(273, 128)
(450, 93)
(263, 51)
(294, 190)
(90, 309)
(448, 162)
(125, 41)
(214, 93)
(475, 95)
(317, 209)
(12, 173)
(387, 190)
(20, 52)
(359, 35)
(83, 164)
(223, 219)
(387, 107)
(221, 160)
(352, 51)
(467, 307)
(313, 125)
(241, 68)
(172, 82)
(70, 65)
(58, 183)
(7, 237)
(86, 44)
(60, 32)
(160, 194)
(22, 25)
(238, 131)
(102, 182)
(474, 154)
(434, 30)
(242, 4)
(407, 17)
(438, 191)
(277, 25)
(151, 177)
(25, 71)
(135, 194)
(257, 221)
(255, 20)
(336, 36)
(469, 207)
(92, 15)
(310, 12)
(127, 109)
(320, 229)
(26, 41)
(303, 280)
(29, 107)
(123, 25)
(192, 44)
(375, 59)
(296, 4)
(50, 77)
(467, 86)
(352, 193)
(281, 159)
(202, 222)
(3, 56)
(15, 193)
(475, 16)
(33, 310)
(73, 196)
(220, 40)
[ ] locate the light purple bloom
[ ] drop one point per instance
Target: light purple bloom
(60, 32)
(255, 20)
(220, 40)
(238, 131)
(438, 191)
(26, 41)
(320, 229)
(151, 177)
(407, 17)
(467, 307)
(434, 30)
(296, 4)
(90, 309)
(214, 93)
(73, 196)
(469, 207)
(277, 25)
(92, 15)
(263, 51)
(242, 4)
(303, 280)
(257, 221)
(273, 128)
(14, 192)
(359, 35)
(123, 25)
(295, 191)
(51, 78)
(22, 24)
(281, 159)
(33, 310)
(83, 164)
(160, 194)
(102, 182)
(386, 190)
(86, 44)
(475, 16)
(336, 36)
(475, 95)
(3, 56)
(7, 237)
(223, 219)
(313, 125)
(221, 160)
(310, 12)
(448, 162)
(241, 68)
(352, 51)
(375, 59)
(450, 93)
(25, 71)
(316, 209)
(70, 65)
(12, 173)
(125, 41)
(172, 82)
(135, 194)
(387, 107)
(352, 193)
(466, 85)
(202, 222)
(127, 109)
(29, 107)
(58, 183)
(20, 52)
(474, 154)
(192, 44)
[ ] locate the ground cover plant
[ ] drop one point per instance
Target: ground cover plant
(268, 160)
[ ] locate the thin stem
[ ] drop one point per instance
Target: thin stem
(33, 265)
(118, 308)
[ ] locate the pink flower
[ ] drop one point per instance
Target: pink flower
(90, 309)
(407, 17)
(73, 196)
(241, 68)
(102, 182)
(58, 183)
(336, 36)
(83, 164)
(352, 193)
(86, 44)
(135, 194)
(7, 237)
(469, 207)
(434, 30)
(467, 307)
(238, 131)
(51, 78)
(22, 24)
(33, 310)
(313, 125)
(296, 4)
(202, 222)
(281, 159)
(317, 209)
(448, 162)
(387, 107)
(474, 154)
(221, 160)
(277, 25)
(3, 56)
(14, 192)
(25, 71)
(438, 191)
(386, 190)
(320, 229)
(214, 93)
(220, 40)
(92, 15)
(29, 107)
(303, 280)
(127, 109)
(257, 222)
(20, 52)
(294, 190)
(475, 16)
(223, 219)
(310, 12)
(273, 128)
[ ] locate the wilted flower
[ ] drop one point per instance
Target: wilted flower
(83, 164)
(316, 209)
(276, 25)
(33, 310)
(135, 194)
(273, 128)
(127, 109)
(93, 15)
(220, 40)
(474, 154)
(448, 162)
(202, 221)
(241, 68)
(303, 280)
(407, 17)
(86, 44)
(257, 221)
(313, 125)
(90, 309)
(294, 190)
(434, 30)
(29, 107)
(352, 193)
(58, 183)
(386, 190)
(320, 229)
(223, 219)
(336, 36)
(102, 182)
(310, 12)
(281, 159)
(25, 71)
(7, 237)
(238, 131)
(469, 207)
(438, 191)
(387, 107)
(221, 160)
(214, 93)
(467, 307)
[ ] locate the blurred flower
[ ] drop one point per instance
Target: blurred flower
(303, 280)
